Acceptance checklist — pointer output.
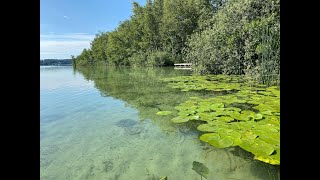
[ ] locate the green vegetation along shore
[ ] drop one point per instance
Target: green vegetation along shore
(232, 37)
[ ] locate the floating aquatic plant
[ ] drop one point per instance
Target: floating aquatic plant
(248, 118)
(164, 113)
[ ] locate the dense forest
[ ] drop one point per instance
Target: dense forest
(55, 62)
(217, 36)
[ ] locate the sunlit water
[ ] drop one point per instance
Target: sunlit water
(101, 124)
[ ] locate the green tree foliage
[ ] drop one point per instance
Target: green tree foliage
(98, 47)
(180, 19)
(158, 29)
(216, 36)
(84, 58)
(242, 37)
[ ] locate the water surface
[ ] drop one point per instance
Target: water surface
(101, 123)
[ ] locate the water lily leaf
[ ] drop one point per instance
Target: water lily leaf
(209, 137)
(228, 115)
(217, 109)
(262, 148)
(200, 168)
(277, 113)
(193, 117)
(217, 105)
(219, 113)
(225, 118)
(267, 128)
(203, 109)
(206, 116)
(207, 128)
(236, 141)
(267, 112)
(215, 142)
(248, 113)
(240, 117)
(205, 103)
(234, 134)
(270, 138)
(258, 116)
(246, 125)
(267, 159)
(225, 142)
(249, 135)
(246, 144)
(224, 131)
(276, 155)
(164, 113)
(254, 102)
(186, 113)
(266, 93)
(233, 109)
(180, 119)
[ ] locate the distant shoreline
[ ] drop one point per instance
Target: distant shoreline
(58, 65)
(56, 62)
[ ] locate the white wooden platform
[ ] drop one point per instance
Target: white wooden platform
(182, 66)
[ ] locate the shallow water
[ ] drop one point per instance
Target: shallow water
(101, 123)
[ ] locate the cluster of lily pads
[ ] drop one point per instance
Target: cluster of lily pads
(210, 82)
(248, 118)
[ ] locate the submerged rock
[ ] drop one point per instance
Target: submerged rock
(108, 165)
(134, 130)
(126, 123)
(130, 126)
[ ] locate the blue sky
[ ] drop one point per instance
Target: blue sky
(68, 26)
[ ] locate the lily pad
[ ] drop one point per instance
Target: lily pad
(262, 148)
(225, 142)
(267, 159)
(258, 116)
(209, 137)
(240, 117)
(225, 118)
(229, 117)
(249, 135)
(207, 128)
(217, 105)
(206, 116)
(164, 113)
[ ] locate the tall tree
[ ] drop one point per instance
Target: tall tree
(98, 47)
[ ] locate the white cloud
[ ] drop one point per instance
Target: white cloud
(62, 46)
(66, 17)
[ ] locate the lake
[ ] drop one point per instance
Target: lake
(101, 123)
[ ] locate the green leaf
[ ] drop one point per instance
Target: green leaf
(207, 128)
(209, 137)
(164, 113)
(180, 119)
(258, 116)
(225, 142)
(225, 118)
